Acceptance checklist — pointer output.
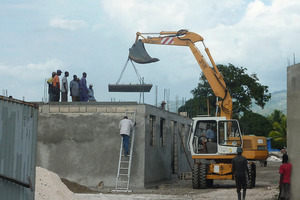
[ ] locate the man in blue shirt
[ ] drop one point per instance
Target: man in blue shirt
(210, 135)
(83, 88)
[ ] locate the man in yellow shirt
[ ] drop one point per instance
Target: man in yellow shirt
(50, 87)
(56, 86)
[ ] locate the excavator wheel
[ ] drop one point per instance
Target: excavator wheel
(195, 176)
(249, 177)
(210, 182)
(253, 174)
(202, 176)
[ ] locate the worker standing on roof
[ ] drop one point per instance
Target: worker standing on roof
(124, 126)
(83, 88)
(50, 87)
(91, 93)
(64, 87)
(56, 86)
(239, 170)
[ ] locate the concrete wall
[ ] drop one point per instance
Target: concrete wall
(165, 158)
(293, 126)
(81, 142)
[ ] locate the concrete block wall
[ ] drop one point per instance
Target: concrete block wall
(293, 126)
(81, 142)
(160, 161)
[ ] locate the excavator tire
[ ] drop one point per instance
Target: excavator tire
(253, 175)
(202, 176)
(249, 177)
(195, 176)
(210, 182)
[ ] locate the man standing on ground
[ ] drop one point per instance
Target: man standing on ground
(285, 176)
(56, 86)
(64, 87)
(83, 88)
(74, 89)
(124, 126)
(239, 170)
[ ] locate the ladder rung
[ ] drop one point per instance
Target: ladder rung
(124, 168)
(124, 161)
(123, 174)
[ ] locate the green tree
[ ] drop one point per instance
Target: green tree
(279, 129)
(254, 123)
(242, 87)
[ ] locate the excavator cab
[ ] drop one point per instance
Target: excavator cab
(214, 135)
(138, 54)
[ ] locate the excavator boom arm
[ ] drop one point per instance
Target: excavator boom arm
(212, 74)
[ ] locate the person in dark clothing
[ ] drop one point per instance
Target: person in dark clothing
(239, 170)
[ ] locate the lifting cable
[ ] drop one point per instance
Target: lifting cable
(135, 69)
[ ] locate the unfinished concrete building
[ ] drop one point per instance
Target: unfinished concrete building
(293, 126)
(81, 142)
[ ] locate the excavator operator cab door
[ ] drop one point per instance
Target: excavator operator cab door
(229, 137)
(214, 135)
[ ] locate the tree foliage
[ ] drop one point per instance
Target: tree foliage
(255, 124)
(242, 88)
(279, 129)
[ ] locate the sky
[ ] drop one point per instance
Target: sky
(38, 37)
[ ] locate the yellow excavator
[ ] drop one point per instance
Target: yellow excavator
(212, 156)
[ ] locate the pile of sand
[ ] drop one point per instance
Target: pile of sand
(48, 186)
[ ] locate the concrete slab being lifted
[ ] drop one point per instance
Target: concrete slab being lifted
(129, 87)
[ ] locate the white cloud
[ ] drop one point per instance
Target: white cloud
(27, 80)
(253, 34)
(66, 24)
(261, 38)
(35, 71)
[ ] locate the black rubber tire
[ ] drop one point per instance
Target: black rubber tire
(202, 176)
(210, 183)
(253, 175)
(195, 176)
(249, 177)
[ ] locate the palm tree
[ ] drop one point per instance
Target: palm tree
(279, 131)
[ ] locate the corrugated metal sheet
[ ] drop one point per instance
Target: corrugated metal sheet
(18, 136)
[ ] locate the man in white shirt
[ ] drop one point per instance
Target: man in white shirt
(124, 126)
(64, 87)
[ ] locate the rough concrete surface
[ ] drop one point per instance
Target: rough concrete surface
(293, 126)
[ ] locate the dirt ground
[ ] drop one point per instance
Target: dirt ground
(266, 189)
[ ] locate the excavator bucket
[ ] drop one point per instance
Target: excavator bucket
(138, 54)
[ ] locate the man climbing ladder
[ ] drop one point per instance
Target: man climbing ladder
(125, 125)
(125, 158)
